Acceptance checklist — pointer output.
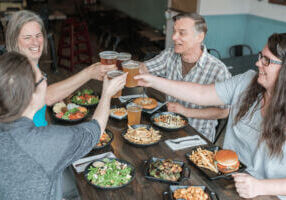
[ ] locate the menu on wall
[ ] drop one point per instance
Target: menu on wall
(184, 5)
(282, 2)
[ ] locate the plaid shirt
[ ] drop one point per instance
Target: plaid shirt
(207, 70)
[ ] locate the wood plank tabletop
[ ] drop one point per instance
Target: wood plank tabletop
(141, 188)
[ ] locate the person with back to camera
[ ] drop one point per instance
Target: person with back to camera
(26, 34)
(32, 159)
(189, 61)
(256, 126)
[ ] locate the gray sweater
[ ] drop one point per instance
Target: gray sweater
(32, 159)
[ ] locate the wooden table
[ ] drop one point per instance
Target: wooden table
(141, 188)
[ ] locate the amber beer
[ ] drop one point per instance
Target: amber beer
(113, 74)
(108, 57)
(132, 67)
(133, 113)
(122, 57)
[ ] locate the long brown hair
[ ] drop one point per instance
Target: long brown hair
(17, 84)
(274, 121)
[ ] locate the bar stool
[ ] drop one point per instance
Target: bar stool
(74, 44)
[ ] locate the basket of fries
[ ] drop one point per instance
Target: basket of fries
(203, 159)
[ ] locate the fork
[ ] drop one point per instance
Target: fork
(178, 142)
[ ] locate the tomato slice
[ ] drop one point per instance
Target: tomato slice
(59, 115)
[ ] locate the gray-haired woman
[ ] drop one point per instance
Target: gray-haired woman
(26, 34)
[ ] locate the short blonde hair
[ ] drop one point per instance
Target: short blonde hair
(15, 24)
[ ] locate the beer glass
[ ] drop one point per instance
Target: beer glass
(122, 57)
(108, 57)
(132, 67)
(133, 113)
(113, 74)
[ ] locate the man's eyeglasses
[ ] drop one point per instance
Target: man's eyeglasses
(44, 77)
(266, 61)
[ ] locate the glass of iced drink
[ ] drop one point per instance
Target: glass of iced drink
(132, 67)
(133, 113)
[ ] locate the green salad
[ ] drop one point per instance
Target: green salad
(85, 97)
(86, 91)
(111, 173)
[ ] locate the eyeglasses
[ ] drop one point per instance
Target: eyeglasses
(266, 61)
(44, 77)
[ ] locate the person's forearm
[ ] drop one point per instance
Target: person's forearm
(187, 91)
(60, 90)
(273, 187)
(102, 112)
(206, 113)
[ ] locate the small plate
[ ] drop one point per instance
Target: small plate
(208, 173)
(173, 188)
(110, 135)
(115, 116)
(86, 171)
(136, 144)
(168, 128)
(182, 174)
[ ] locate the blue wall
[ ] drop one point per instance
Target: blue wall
(259, 29)
(227, 30)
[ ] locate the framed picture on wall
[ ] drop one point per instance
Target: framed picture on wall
(282, 2)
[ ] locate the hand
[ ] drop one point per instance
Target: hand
(143, 69)
(98, 70)
(246, 185)
(176, 107)
(111, 87)
(145, 80)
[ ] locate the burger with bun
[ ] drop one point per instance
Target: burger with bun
(226, 161)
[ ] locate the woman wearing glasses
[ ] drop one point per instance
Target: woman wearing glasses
(33, 158)
(256, 128)
(26, 34)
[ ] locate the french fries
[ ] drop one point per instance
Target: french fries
(191, 193)
(203, 158)
(142, 135)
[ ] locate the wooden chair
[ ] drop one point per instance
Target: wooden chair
(74, 44)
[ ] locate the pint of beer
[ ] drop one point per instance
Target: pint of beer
(133, 113)
(113, 74)
(122, 57)
(108, 57)
(132, 67)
